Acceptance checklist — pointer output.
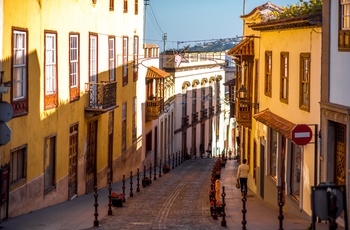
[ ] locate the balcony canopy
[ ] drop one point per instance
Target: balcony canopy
(276, 122)
(154, 73)
(244, 48)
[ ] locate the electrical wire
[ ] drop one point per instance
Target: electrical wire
(154, 20)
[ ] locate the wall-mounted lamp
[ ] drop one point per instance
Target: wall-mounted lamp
(242, 96)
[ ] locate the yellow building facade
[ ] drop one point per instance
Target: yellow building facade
(76, 88)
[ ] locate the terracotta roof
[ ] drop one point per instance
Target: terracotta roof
(276, 122)
(245, 47)
(154, 72)
(267, 5)
(230, 82)
(287, 23)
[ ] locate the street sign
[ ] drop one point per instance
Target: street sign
(301, 134)
(5, 134)
(6, 111)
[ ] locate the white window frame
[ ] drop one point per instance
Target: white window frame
(74, 60)
(345, 14)
(19, 65)
(50, 63)
(111, 57)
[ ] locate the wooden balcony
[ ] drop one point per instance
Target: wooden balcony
(204, 114)
(211, 111)
(154, 108)
(185, 122)
(243, 113)
(102, 97)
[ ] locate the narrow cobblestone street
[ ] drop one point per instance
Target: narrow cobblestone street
(177, 200)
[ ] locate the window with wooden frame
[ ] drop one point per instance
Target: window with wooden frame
(136, 57)
(18, 166)
(268, 73)
(93, 58)
(49, 163)
(136, 7)
(111, 57)
(273, 154)
(284, 77)
(344, 25)
(74, 78)
(134, 114)
(111, 5)
(304, 87)
(19, 72)
(125, 6)
(124, 127)
(295, 171)
(50, 73)
(125, 60)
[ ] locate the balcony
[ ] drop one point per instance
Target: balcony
(211, 111)
(154, 108)
(102, 97)
(218, 109)
(243, 112)
(194, 117)
(185, 122)
(204, 114)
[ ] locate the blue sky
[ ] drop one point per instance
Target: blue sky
(198, 20)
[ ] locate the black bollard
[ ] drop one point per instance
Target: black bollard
(123, 187)
(223, 221)
(169, 162)
(280, 205)
(96, 222)
(173, 161)
(138, 180)
(131, 193)
(110, 198)
(150, 173)
(144, 172)
(155, 172)
(176, 159)
(244, 210)
(160, 167)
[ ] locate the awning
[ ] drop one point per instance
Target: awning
(245, 48)
(281, 125)
(153, 72)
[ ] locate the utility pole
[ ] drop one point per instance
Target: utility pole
(146, 3)
(164, 40)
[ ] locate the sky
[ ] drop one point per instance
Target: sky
(194, 21)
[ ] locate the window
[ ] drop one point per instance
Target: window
(295, 172)
(111, 5)
(148, 143)
(19, 71)
(18, 165)
(125, 60)
(344, 26)
(136, 57)
(284, 77)
(304, 100)
(74, 66)
(268, 73)
(51, 97)
(125, 6)
(273, 153)
(93, 58)
(134, 128)
(124, 127)
(136, 7)
(111, 59)
(49, 163)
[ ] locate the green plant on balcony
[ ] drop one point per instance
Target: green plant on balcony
(302, 8)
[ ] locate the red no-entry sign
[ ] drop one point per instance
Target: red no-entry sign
(301, 134)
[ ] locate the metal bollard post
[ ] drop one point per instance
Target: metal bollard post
(150, 173)
(155, 172)
(280, 204)
(173, 161)
(176, 159)
(223, 221)
(123, 187)
(169, 162)
(110, 198)
(144, 172)
(131, 193)
(138, 180)
(160, 167)
(244, 210)
(96, 222)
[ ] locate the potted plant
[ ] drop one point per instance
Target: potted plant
(117, 199)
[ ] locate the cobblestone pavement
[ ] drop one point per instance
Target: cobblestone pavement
(177, 200)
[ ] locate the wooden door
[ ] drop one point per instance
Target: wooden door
(91, 157)
(73, 158)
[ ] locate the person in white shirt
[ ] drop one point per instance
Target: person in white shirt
(242, 175)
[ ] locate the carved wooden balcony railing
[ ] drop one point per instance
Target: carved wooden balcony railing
(243, 113)
(194, 117)
(102, 97)
(154, 108)
(204, 114)
(185, 122)
(211, 111)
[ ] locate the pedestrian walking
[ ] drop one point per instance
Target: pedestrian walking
(242, 175)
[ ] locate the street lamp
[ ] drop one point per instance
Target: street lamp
(242, 96)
